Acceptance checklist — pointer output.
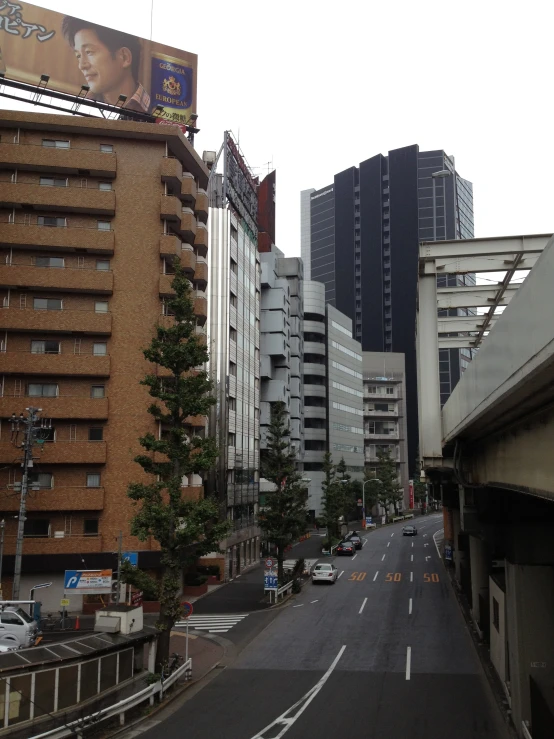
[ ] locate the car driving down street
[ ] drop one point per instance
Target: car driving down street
(325, 573)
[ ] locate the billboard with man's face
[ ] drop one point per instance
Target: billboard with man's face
(73, 52)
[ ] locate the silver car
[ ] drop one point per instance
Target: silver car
(325, 573)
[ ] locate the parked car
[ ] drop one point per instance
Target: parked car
(355, 539)
(18, 628)
(346, 547)
(409, 531)
(325, 573)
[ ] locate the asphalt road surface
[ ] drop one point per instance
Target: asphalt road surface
(383, 653)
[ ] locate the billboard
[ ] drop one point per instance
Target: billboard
(88, 582)
(240, 187)
(266, 212)
(73, 52)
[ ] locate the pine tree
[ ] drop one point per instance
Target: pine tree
(346, 491)
(185, 529)
(389, 491)
(284, 514)
(331, 499)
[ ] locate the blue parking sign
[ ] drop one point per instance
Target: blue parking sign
(131, 557)
(270, 580)
(368, 520)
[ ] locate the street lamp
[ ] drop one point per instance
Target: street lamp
(441, 174)
(371, 479)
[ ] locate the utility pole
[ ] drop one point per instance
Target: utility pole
(119, 547)
(30, 437)
(2, 528)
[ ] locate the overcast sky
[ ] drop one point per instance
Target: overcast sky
(316, 87)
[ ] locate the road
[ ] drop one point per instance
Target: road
(382, 654)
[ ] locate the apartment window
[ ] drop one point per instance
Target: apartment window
(55, 143)
(49, 262)
(101, 306)
(233, 334)
(40, 346)
(234, 267)
(103, 264)
(106, 148)
(39, 527)
(98, 391)
(105, 186)
(93, 479)
(51, 221)
(167, 310)
(45, 480)
(96, 434)
(233, 300)
(90, 527)
(42, 390)
(99, 349)
(232, 369)
(390, 391)
(495, 614)
(104, 225)
(54, 181)
(231, 439)
(47, 304)
(232, 404)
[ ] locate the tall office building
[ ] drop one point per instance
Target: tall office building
(92, 215)
(333, 393)
(365, 230)
(234, 340)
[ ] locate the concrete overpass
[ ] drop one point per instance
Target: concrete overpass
(490, 456)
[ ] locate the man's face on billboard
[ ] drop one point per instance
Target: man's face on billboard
(106, 73)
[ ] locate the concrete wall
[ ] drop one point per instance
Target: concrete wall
(498, 633)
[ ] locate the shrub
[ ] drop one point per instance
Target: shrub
(296, 587)
(194, 578)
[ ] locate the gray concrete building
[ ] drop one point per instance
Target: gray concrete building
(281, 355)
(385, 412)
(333, 392)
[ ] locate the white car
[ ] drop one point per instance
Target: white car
(325, 573)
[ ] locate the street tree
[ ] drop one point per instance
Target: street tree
(420, 486)
(284, 514)
(184, 528)
(347, 490)
(389, 490)
(331, 498)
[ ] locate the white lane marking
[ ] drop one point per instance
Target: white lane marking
(435, 534)
(365, 542)
(285, 720)
(411, 576)
(375, 578)
(363, 604)
(388, 544)
(354, 557)
(410, 608)
(408, 662)
(315, 601)
(412, 545)
(383, 557)
(342, 573)
(412, 557)
(392, 535)
(299, 605)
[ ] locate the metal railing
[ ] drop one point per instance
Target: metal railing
(525, 730)
(119, 709)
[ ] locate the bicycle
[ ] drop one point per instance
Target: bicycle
(56, 623)
(169, 667)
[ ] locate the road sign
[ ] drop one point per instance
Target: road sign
(64, 602)
(360, 502)
(368, 520)
(270, 580)
(91, 582)
(137, 598)
(448, 552)
(131, 557)
(187, 609)
(269, 563)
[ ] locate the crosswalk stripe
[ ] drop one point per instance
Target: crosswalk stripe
(213, 623)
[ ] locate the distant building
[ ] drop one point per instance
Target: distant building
(333, 392)
(385, 412)
(364, 234)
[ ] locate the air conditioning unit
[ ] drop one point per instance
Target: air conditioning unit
(498, 564)
(59, 534)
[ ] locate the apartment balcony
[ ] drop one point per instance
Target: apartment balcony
(379, 396)
(201, 307)
(196, 421)
(188, 227)
(58, 161)
(192, 492)
(56, 279)
(188, 261)
(202, 205)
(47, 237)
(315, 434)
(201, 240)
(381, 414)
(170, 209)
(74, 452)
(310, 368)
(57, 499)
(61, 199)
(57, 545)
(314, 327)
(314, 347)
(313, 456)
(170, 246)
(188, 190)
(59, 321)
(70, 407)
(315, 391)
(201, 272)
(58, 365)
(165, 288)
(312, 411)
(382, 437)
(172, 172)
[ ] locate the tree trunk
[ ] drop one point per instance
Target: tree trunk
(280, 559)
(162, 650)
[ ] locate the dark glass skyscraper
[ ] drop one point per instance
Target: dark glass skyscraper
(364, 233)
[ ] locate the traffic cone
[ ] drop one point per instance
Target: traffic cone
(77, 623)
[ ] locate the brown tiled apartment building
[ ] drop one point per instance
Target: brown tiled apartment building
(92, 213)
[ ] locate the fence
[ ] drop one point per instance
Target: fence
(119, 709)
(281, 592)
